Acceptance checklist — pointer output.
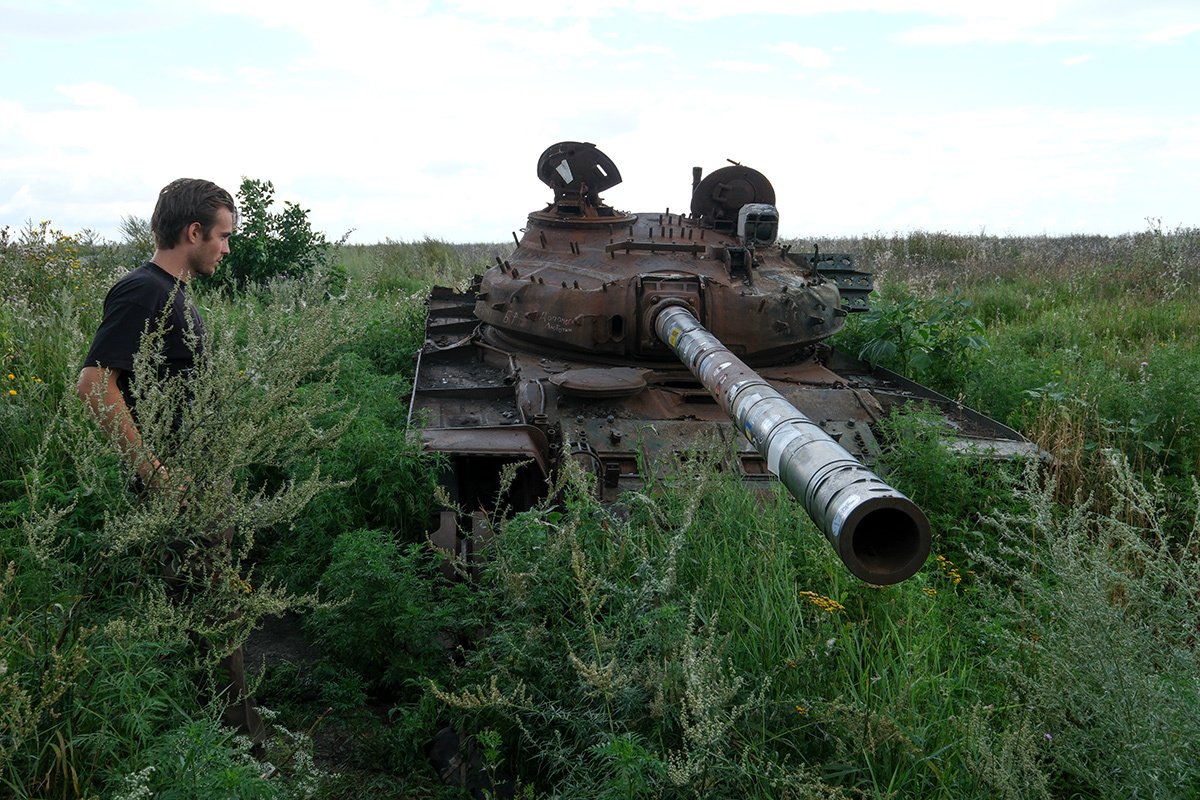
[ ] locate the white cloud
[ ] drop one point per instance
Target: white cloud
(1054, 21)
(745, 67)
(1171, 32)
(945, 21)
(20, 200)
(210, 77)
(840, 82)
(1074, 61)
(98, 96)
(807, 57)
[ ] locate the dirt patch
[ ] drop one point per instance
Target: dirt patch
(280, 639)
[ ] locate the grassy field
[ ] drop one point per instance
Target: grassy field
(702, 642)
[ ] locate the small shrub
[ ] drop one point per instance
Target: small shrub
(601, 670)
(936, 341)
(268, 244)
(952, 489)
(199, 760)
(393, 333)
(385, 613)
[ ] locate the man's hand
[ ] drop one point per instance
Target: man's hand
(98, 389)
(162, 481)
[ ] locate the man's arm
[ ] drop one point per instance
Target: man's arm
(97, 388)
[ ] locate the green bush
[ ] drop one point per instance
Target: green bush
(385, 609)
(388, 477)
(627, 655)
(267, 244)
(393, 333)
(199, 760)
(953, 490)
(937, 341)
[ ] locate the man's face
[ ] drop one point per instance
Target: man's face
(207, 252)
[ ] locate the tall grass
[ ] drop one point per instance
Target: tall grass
(1093, 619)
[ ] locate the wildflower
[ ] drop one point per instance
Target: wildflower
(12, 392)
(947, 566)
(802, 711)
(827, 604)
(12, 377)
(929, 590)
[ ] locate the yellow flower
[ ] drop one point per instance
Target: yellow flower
(12, 392)
(929, 590)
(947, 566)
(820, 601)
(241, 585)
(12, 377)
(802, 711)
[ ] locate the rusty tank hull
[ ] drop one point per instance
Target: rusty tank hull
(569, 349)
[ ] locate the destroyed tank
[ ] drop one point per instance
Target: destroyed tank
(616, 339)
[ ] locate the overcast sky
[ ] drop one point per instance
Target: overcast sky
(403, 120)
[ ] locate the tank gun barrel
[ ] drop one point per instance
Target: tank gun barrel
(880, 535)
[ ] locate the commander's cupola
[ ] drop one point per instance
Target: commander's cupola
(578, 172)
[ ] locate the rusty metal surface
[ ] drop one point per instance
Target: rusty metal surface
(600, 382)
(577, 169)
(471, 385)
(592, 290)
(721, 194)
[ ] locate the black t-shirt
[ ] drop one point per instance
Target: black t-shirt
(138, 303)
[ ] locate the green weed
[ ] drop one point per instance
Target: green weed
(384, 614)
(1093, 623)
(937, 341)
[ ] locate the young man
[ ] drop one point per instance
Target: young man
(192, 223)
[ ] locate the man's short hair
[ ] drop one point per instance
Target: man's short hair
(184, 201)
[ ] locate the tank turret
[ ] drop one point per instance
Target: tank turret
(587, 280)
(612, 338)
